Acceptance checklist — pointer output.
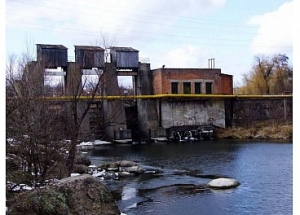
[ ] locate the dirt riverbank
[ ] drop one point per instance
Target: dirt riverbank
(258, 130)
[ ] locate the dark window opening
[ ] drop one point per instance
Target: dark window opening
(187, 88)
(208, 88)
(197, 88)
(174, 88)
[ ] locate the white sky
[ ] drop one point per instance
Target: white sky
(177, 34)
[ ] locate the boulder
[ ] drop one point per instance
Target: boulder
(126, 163)
(82, 159)
(132, 169)
(125, 168)
(80, 168)
(223, 183)
(81, 194)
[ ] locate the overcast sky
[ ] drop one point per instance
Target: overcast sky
(181, 34)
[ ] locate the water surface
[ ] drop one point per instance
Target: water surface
(263, 168)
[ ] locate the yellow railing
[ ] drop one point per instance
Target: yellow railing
(160, 96)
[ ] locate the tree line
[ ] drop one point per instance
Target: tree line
(270, 75)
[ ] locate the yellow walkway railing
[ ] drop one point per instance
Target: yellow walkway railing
(160, 96)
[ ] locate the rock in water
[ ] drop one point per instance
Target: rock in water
(223, 183)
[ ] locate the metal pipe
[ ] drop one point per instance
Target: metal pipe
(161, 96)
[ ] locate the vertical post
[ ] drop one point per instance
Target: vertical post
(284, 107)
(134, 85)
(159, 120)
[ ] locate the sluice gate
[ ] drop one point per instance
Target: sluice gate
(190, 132)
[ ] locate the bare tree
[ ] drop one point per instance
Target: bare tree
(108, 113)
(33, 128)
(36, 125)
(268, 76)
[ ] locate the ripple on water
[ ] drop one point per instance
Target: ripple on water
(263, 168)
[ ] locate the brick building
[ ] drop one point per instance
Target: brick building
(191, 81)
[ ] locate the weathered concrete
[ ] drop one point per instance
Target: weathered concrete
(193, 112)
(156, 115)
(114, 117)
(245, 111)
(147, 112)
(73, 83)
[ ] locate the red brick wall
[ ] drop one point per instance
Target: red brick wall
(157, 82)
(227, 84)
(162, 79)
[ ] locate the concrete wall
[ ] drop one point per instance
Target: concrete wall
(192, 112)
(85, 128)
(224, 112)
(114, 110)
(245, 111)
(147, 112)
(73, 83)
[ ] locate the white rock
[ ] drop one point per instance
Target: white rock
(92, 166)
(27, 188)
(113, 169)
(86, 144)
(101, 142)
(223, 183)
(99, 174)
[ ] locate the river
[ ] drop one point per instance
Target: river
(263, 168)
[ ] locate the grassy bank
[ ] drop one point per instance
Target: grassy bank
(258, 130)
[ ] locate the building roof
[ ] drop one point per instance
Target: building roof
(163, 68)
(125, 49)
(51, 46)
(90, 48)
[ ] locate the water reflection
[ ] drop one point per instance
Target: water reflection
(128, 193)
(263, 168)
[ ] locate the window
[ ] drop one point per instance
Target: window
(197, 87)
(208, 87)
(174, 87)
(187, 88)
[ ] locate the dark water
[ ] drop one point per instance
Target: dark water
(264, 170)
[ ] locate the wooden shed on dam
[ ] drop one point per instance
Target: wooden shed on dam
(125, 57)
(52, 56)
(89, 56)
